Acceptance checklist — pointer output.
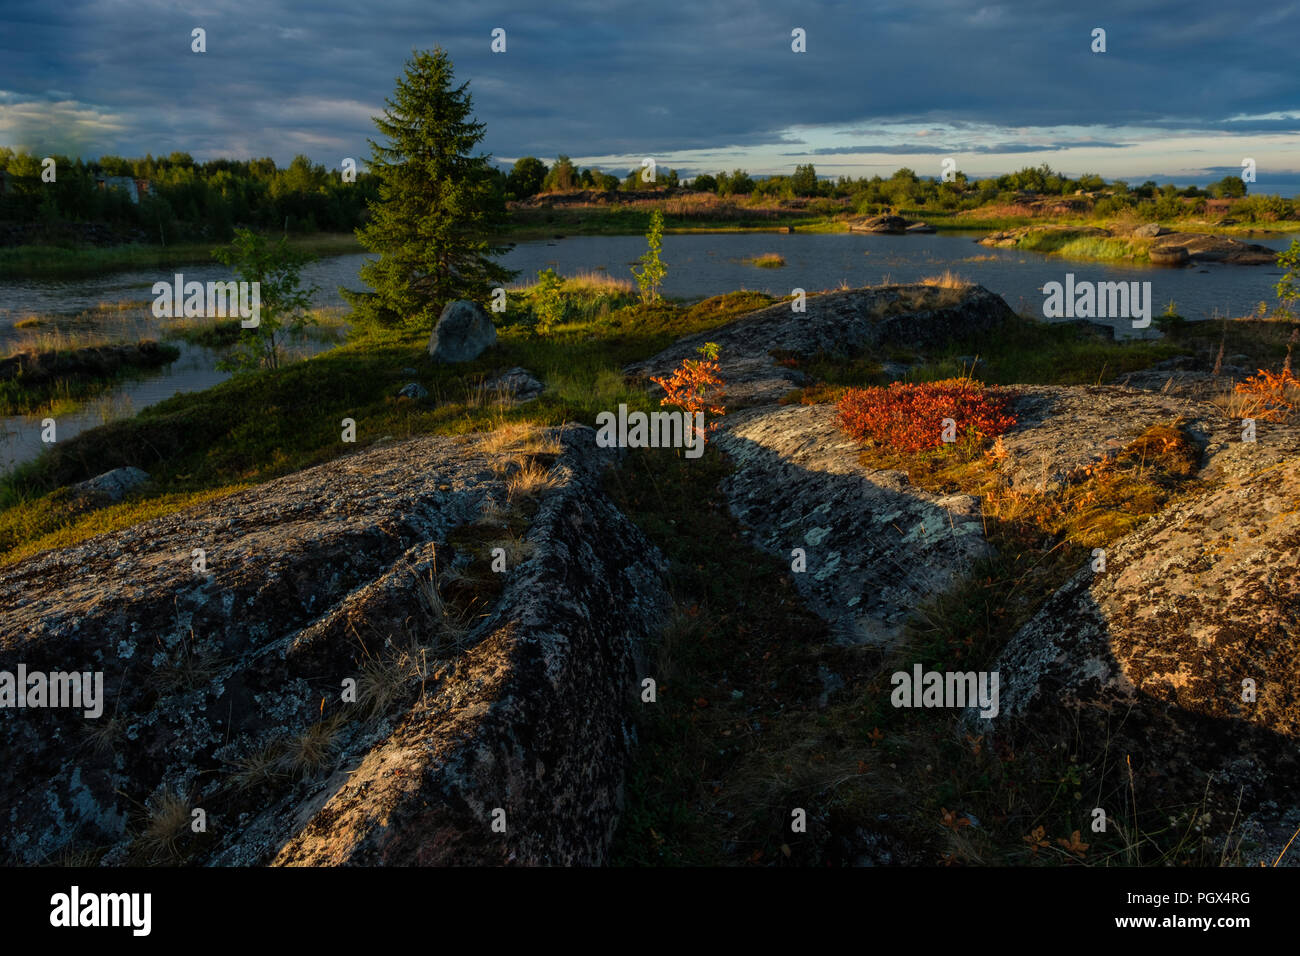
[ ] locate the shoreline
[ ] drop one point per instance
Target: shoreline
(54, 262)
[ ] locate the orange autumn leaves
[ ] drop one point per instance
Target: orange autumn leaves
(696, 385)
(1271, 396)
(909, 417)
(1037, 840)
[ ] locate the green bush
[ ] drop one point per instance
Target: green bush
(549, 302)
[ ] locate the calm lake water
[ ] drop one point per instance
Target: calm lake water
(710, 264)
(698, 266)
(195, 369)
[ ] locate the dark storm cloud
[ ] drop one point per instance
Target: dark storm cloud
(906, 149)
(625, 78)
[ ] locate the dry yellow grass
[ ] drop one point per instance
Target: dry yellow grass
(102, 736)
(491, 513)
(585, 282)
(597, 282)
(529, 481)
(524, 437)
(517, 550)
(167, 824)
(947, 280)
(260, 767)
(483, 396)
(384, 680)
(311, 750)
(504, 436)
(507, 465)
(448, 625)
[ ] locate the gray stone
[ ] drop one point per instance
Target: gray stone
(110, 487)
(1199, 247)
(892, 225)
(1168, 256)
(515, 386)
(463, 332)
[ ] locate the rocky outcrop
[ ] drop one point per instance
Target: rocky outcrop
(1011, 238)
(874, 547)
(888, 225)
(911, 316)
(1195, 397)
(1198, 247)
(1060, 429)
(226, 635)
(463, 331)
(1167, 248)
(1182, 377)
(1168, 256)
(1185, 649)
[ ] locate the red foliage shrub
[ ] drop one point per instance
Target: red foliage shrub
(696, 385)
(909, 417)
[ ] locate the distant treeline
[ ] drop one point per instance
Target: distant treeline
(530, 176)
(907, 190)
(183, 199)
(175, 198)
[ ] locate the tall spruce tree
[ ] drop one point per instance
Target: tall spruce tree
(439, 208)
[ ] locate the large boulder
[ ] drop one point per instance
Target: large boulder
(1199, 247)
(463, 331)
(110, 487)
(224, 683)
(1183, 653)
(1168, 256)
(888, 225)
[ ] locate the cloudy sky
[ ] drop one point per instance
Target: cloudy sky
(1184, 92)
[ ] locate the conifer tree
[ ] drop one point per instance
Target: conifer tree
(439, 208)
